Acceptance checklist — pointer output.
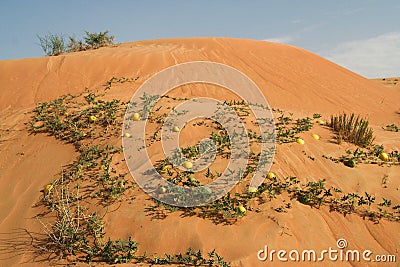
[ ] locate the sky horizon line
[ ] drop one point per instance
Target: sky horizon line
(360, 35)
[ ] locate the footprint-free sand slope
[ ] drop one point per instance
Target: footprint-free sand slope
(291, 79)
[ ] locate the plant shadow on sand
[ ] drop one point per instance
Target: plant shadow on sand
(46, 204)
(160, 211)
(23, 243)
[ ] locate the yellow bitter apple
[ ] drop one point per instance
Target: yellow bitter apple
(127, 135)
(176, 129)
(242, 209)
(92, 118)
(192, 180)
(300, 141)
(188, 165)
(270, 175)
(48, 188)
(163, 189)
(136, 117)
(320, 122)
(383, 156)
(252, 189)
(315, 136)
(166, 168)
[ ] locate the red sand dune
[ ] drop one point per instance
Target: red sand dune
(291, 78)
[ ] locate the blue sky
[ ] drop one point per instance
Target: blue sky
(362, 35)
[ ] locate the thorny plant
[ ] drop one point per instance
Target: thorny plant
(287, 128)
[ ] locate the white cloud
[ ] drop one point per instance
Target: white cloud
(289, 39)
(283, 39)
(375, 57)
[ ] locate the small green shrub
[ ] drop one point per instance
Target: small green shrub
(55, 44)
(52, 44)
(75, 45)
(314, 194)
(96, 40)
(391, 128)
(317, 115)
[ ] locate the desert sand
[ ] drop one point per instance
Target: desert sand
(292, 79)
(392, 82)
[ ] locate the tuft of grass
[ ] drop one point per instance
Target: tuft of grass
(353, 129)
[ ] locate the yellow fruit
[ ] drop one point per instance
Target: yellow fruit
(48, 188)
(163, 189)
(188, 165)
(92, 118)
(315, 136)
(127, 135)
(270, 175)
(136, 117)
(252, 189)
(320, 122)
(300, 141)
(103, 167)
(383, 156)
(242, 209)
(166, 168)
(66, 113)
(175, 129)
(192, 180)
